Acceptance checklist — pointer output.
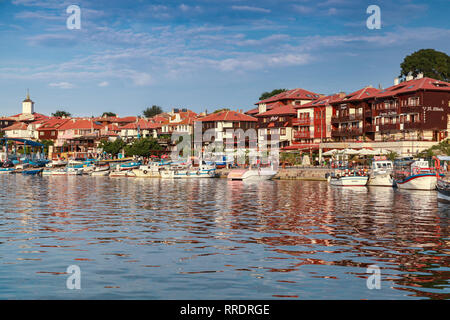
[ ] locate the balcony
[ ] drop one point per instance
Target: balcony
(412, 125)
(302, 122)
(347, 118)
(368, 113)
(410, 109)
(303, 135)
(345, 132)
(389, 126)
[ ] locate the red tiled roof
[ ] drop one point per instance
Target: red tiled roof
(361, 94)
(321, 101)
(143, 124)
(279, 109)
(16, 126)
(252, 111)
(294, 94)
(52, 124)
(414, 85)
(80, 124)
(227, 116)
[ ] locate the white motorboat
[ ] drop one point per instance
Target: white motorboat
(381, 173)
(252, 174)
(152, 170)
(102, 173)
(72, 171)
(121, 173)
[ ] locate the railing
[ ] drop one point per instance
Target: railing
(303, 135)
(302, 122)
(410, 109)
(346, 132)
(347, 118)
(389, 126)
(411, 125)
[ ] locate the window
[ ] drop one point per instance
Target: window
(413, 101)
(283, 131)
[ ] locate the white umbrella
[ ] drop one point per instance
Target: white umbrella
(330, 152)
(381, 151)
(350, 151)
(367, 152)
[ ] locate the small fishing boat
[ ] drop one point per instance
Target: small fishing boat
(7, 170)
(74, 170)
(32, 171)
(380, 173)
(414, 175)
(252, 174)
(103, 173)
(152, 170)
(130, 165)
(122, 174)
(183, 172)
(348, 177)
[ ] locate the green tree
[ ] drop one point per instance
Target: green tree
(220, 110)
(151, 112)
(60, 113)
(47, 144)
(431, 63)
(114, 147)
(267, 95)
(109, 114)
(2, 133)
(392, 155)
(143, 147)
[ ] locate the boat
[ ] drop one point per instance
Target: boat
(33, 171)
(259, 174)
(186, 171)
(123, 173)
(348, 177)
(56, 163)
(103, 173)
(414, 175)
(7, 170)
(152, 170)
(380, 173)
(75, 170)
(130, 165)
(443, 182)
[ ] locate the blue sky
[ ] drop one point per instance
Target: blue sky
(203, 54)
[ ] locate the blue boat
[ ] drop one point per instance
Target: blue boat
(32, 171)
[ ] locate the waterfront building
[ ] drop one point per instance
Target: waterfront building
(416, 109)
(350, 121)
(79, 135)
(312, 124)
(226, 128)
(49, 129)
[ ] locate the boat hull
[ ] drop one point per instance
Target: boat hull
(251, 175)
(169, 174)
(381, 180)
(418, 182)
(353, 181)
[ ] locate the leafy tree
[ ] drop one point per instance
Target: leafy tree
(431, 63)
(47, 144)
(220, 110)
(114, 147)
(109, 114)
(443, 148)
(153, 111)
(142, 147)
(60, 113)
(392, 155)
(2, 133)
(267, 95)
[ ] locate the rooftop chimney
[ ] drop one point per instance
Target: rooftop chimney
(396, 81)
(409, 76)
(419, 75)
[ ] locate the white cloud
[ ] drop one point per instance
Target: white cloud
(103, 84)
(62, 85)
(250, 9)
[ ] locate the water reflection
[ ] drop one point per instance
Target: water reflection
(203, 239)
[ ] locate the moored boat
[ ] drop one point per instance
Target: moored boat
(380, 173)
(414, 175)
(346, 177)
(252, 174)
(186, 171)
(32, 171)
(443, 182)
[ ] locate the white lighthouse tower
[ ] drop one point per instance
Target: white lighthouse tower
(27, 105)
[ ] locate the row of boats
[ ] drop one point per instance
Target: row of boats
(404, 174)
(155, 169)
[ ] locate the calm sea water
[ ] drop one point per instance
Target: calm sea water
(217, 239)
